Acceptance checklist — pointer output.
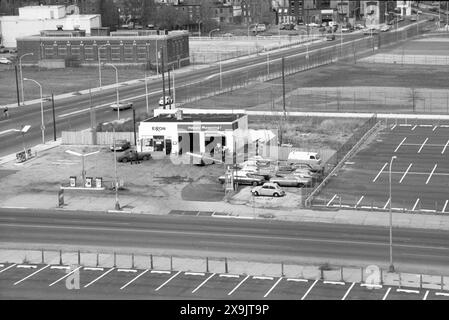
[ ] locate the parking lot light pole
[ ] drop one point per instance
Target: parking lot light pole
(42, 108)
(117, 204)
(116, 88)
(21, 74)
(391, 268)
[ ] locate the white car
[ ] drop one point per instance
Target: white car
(385, 28)
(5, 61)
(168, 101)
(268, 189)
(122, 106)
(313, 24)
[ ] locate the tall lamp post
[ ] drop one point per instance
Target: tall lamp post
(21, 74)
(99, 62)
(210, 33)
(116, 88)
(391, 268)
(42, 108)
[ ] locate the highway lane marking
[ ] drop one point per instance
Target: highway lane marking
(425, 295)
(445, 205)
(126, 270)
(445, 146)
(414, 127)
(407, 291)
(202, 283)
(358, 202)
(237, 286)
(170, 279)
(27, 266)
(386, 204)
(386, 294)
(416, 203)
(35, 272)
(374, 180)
(11, 266)
(160, 271)
(95, 280)
(333, 198)
(310, 289)
(93, 269)
(229, 275)
(194, 274)
(423, 144)
(68, 274)
(263, 278)
(297, 280)
(405, 173)
(334, 282)
(271, 289)
(430, 176)
(9, 130)
(442, 294)
(347, 292)
(135, 278)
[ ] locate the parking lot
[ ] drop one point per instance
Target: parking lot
(43, 281)
(419, 174)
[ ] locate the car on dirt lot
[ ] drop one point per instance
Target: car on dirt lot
(291, 181)
(120, 145)
(268, 189)
(242, 177)
(133, 155)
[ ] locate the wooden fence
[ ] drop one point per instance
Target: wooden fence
(86, 137)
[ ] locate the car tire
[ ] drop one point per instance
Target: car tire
(256, 194)
(125, 160)
(300, 185)
(275, 194)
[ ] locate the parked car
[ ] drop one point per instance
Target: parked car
(313, 25)
(228, 35)
(432, 19)
(242, 177)
(291, 181)
(3, 50)
(268, 189)
(121, 106)
(5, 61)
(120, 145)
(133, 155)
(385, 28)
(346, 29)
(330, 37)
(311, 167)
(358, 26)
(168, 101)
(413, 19)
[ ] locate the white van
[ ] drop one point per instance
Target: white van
(312, 158)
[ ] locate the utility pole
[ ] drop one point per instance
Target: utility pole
(163, 76)
(283, 84)
(117, 204)
(17, 86)
(54, 118)
(134, 126)
(169, 85)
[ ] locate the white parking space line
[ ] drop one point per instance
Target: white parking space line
(11, 266)
(263, 278)
(426, 125)
(202, 283)
(423, 144)
(407, 291)
(392, 128)
(334, 282)
(95, 280)
(126, 270)
(297, 280)
(271, 289)
(160, 271)
(414, 127)
(405, 125)
(29, 276)
(310, 289)
(397, 148)
(434, 128)
(135, 278)
(347, 292)
(358, 202)
(445, 206)
(430, 176)
(442, 294)
(444, 126)
(405, 173)
(445, 146)
(371, 286)
(374, 180)
(68, 274)
(386, 294)
(27, 266)
(236, 287)
(333, 198)
(229, 275)
(386, 204)
(170, 279)
(425, 295)
(194, 274)
(416, 203)
(93, 269)
(60, 267)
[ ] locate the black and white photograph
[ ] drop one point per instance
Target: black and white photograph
(226, 156)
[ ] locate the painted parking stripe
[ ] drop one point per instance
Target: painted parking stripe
(333, 198)
(202, 283)
(95, 280)
(262, 278)
(93, 269)
(60, 267)
(374, 180)
(194, 274)
(444, 126)
(135, 278)
(400, 144)
(423, 144)
(370, 285)
(68, 274)
(407, 291)
(405, 125)
(271, 289)
(405, 173)
(347, 292)
(236, 287)
(414, 127)
(445, 205)
(434, 128)
(386, 294)
(425, 295)
(35, 272)
(431, 174)
(386, 204)
(442, 294)
(426, 125)
(445, 146)
(334, 282)
(27, 266)
(126, 270)
(297, 280)
(11, 266)
(310, 289)
(229, 275)
(170, 279)
(416, 203)
(160, 271)
(392, 128)
(358, 202)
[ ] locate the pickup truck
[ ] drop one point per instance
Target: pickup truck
(133, 155)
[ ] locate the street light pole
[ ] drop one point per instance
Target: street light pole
(146, 93)
(391, 268)
(116, 88)
(42, 108)
(99, 63)
(21, 74)
(117, 204)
